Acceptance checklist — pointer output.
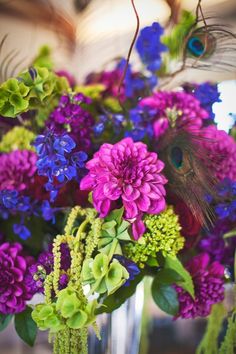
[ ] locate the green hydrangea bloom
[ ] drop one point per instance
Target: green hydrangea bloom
(162, 235)
(18, 138)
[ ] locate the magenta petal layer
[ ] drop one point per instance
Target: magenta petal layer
(14, 288)
(127, 172)
(208, 282)
(221, 152)
(17, 169)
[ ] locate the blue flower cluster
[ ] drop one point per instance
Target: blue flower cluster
(134, 82)
(207, 94)
(57, 161)
(150, 47)
(109, 120)
(142, 123)
(226, 207)
(12, 203)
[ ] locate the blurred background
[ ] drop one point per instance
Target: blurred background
(85, 36)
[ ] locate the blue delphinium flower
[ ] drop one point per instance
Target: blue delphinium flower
(142, 122)
(109, 121)
(134, 82)
(207, 94)
(13, 203)
(58, 161)
(22, 231)
(48, 213)
(226, 207)
(150, 47)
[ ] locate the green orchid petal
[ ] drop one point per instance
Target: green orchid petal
(18, 102)
(87, 274)
(78, 320)
(114, 275)
(11, 85)
(100, 266)
(45, 312)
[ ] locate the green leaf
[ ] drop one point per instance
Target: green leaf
(123, 226)
(116, 215)
(180, 31)
(168, 276)
(152, 262)
(165, 297)
(4, 321)
(176, 265)
(25, 327)
(109, 225)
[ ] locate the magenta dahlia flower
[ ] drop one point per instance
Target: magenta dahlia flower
(221, 152)
(126, 172)
(14, 288)
(17, 169)
(183, 107)
(208, 284)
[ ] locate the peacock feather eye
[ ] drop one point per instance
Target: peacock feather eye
(176, 156)
(195, 46)
(201, 44)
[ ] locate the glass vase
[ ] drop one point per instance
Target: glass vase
(121, 330)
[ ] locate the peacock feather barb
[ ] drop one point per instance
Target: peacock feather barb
(10, 62)
(200, 42)
(188, 177)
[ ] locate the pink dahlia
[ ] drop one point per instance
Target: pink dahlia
(183, 107)
(221, 152)
(126, 172)
(14, 288)
(208, 284)
(17, 169)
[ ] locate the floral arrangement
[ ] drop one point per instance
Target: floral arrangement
(105, 183)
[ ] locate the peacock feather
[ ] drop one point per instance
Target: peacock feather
(188, 177)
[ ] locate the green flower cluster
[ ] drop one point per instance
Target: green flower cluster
(13, 98)
(162, 235)
(18, 138)
(29, 90)
(67, 312)
(103, 276)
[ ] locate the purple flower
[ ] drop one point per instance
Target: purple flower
(17, 169)
(71, 111)
(44, 266)
(208, 285)
(221, 152)
(63, 281)
(126, 172)
(14, 289)
(149, 46)
(179, 108)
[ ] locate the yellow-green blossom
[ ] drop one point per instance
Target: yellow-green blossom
(162, 235)
(18, 138)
